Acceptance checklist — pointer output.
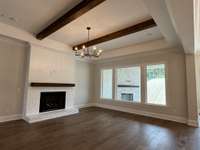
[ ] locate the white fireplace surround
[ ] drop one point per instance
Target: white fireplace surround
(32, 104)
(46, 65)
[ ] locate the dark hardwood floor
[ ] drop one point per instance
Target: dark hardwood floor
(99, 129)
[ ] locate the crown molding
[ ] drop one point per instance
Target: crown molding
(24, 36)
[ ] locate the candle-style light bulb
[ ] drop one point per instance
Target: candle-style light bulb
(76, 48)
(94, 47)
(83, 47)
(82, 54)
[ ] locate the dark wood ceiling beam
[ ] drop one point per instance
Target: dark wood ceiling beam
(71, 15)
(133, 29)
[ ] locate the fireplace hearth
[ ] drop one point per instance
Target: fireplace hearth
(50, 101)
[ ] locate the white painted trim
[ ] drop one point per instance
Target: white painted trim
(79, 106)
(143, 89)
(192, 123)
(12, 41)
(22, 35)
(50, 115)
(143, 113)
(13, 32)
(103, 60)
(10, 117)
(67, 52)
(141, 48)
(167, 98)
(138, 112)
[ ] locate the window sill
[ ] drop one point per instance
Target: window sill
(106, 99)
(134, 103)
(120, 101)
(157, 105)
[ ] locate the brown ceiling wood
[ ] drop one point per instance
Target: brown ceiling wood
(71, 15)
(132, 29)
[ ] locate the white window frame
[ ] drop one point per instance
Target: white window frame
(115, 81)
(166, 84)
(143, 84)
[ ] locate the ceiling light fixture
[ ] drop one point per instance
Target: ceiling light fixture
(85, 51)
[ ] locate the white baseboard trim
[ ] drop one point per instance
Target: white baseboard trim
(84, 105)
(192, 123)
(10, 118)
(143, 113)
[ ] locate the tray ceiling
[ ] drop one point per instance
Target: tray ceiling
(108, 17)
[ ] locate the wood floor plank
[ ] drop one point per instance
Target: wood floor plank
(99, 129)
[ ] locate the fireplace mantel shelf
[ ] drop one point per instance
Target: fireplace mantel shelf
(42, 84)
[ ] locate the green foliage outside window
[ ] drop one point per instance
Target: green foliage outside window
(155, 72)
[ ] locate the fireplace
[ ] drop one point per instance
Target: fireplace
(50, 101)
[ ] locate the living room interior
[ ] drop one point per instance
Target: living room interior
(99, 74)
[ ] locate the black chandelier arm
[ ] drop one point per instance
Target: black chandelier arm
(85, 51)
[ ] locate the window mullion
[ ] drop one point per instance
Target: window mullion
(114, 84)
(143, 84)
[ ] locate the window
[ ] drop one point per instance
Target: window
(128, 85)
(106, 83)
(156, 88)
(128, 81)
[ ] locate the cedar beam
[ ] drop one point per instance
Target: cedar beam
(68, 17)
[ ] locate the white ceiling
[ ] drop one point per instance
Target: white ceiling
(160, 14)
(33, 15)
(110, 16)
(139, 37)
(183, 22)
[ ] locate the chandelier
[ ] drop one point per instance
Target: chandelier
(85, 51)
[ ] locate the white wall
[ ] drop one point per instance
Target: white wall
(176, 81)
(12, 59)
(84, 83)
(48, 65)
(51, 66)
